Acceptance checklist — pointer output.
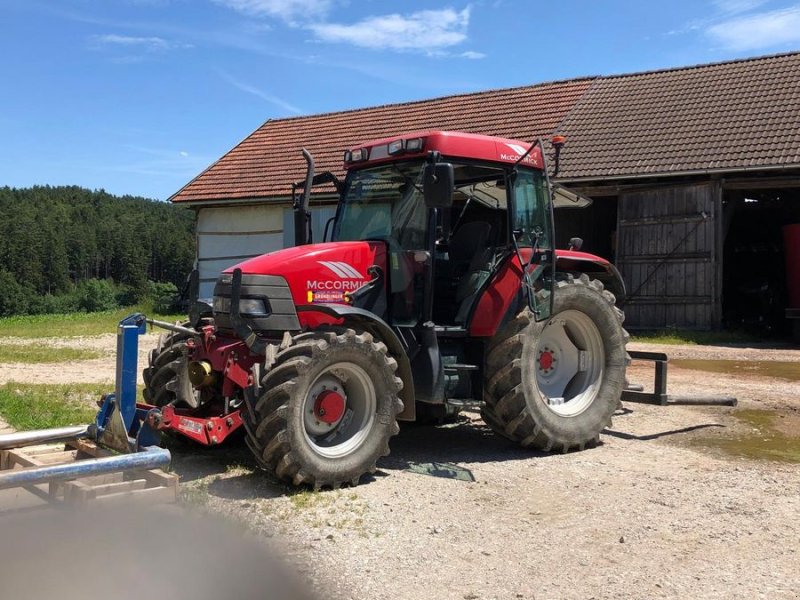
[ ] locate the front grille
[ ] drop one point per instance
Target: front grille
(272, 289)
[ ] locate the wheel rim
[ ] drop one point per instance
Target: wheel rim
(569, 363)
(339, 410)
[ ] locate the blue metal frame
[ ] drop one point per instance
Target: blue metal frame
(124, 396)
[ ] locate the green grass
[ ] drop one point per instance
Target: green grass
(673, 337)
(34, 354)
(73, 324)
(29, 406)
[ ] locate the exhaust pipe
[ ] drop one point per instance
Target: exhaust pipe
(302, 216)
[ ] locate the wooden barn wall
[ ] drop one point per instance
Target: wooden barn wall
(667, 252)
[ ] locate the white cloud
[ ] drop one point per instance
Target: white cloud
(250, 89)
(733, 7)
(725, 9)
(759, 31)
(286, 10)
(472, 55)
(426, 30)
(152, 43)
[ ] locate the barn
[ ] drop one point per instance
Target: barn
(694, 173)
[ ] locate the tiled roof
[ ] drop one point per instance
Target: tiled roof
(730, 115)
(269, 160)
(743, 113)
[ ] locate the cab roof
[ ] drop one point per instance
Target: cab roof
(450, 144)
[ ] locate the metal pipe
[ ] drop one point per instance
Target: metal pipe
(302, 217)
(42, 436)
(152, 458)
(701, 401)
(175, 328)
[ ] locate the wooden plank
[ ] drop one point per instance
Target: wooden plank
(90, 448)
(718, 266)
(760, 183)
(662, 220)
(19, 457)
(159, 477)
(677, 257)
(659, 299)
(102, 479)
(37, 451)
(55, 458)
(78, 492)
(146, 496)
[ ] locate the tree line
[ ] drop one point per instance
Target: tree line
(66, 248)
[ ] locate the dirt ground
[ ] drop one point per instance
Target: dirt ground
(647, 514)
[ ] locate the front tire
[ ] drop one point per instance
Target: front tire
(328, 409)
(554, 385)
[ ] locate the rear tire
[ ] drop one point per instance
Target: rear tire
(554, 385)
(345, 373)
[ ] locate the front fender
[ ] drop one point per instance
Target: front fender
(595, 267)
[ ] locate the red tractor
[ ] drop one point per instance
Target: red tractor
(438, 290)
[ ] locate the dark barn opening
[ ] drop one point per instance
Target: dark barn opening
(755, 282)
(596, 225)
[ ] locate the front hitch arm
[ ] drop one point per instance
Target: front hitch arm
(175, 328)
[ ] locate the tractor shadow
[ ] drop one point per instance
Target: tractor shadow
(466, 440)
(230, 471)
(654, 436)
(623, 435)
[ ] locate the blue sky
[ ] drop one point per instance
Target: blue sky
(138, 96)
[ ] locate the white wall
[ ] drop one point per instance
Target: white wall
(228, 235)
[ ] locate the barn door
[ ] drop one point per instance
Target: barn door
(667, 254)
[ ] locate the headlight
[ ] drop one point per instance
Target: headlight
(247, 306)
(252, 306)
(222, 305)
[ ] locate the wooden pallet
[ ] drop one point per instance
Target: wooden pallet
(152, 486)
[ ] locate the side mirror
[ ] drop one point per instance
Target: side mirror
(575, 243)
(437, 185)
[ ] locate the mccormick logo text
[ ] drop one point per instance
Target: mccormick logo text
(518, 151)
(333, 290)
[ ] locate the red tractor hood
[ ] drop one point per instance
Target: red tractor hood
(319, 273)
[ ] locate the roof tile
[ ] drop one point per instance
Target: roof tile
(265, 163)
(718, 116)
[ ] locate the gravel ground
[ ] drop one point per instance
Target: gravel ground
(97, 370)
(644, 515)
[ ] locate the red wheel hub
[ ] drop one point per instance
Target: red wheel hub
(546, 360)
(329, 407)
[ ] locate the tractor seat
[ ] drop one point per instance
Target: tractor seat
(472, 255)
(467, 241)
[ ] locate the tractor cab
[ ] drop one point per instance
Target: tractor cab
(451, 210)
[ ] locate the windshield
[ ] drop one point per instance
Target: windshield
(384, 203)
